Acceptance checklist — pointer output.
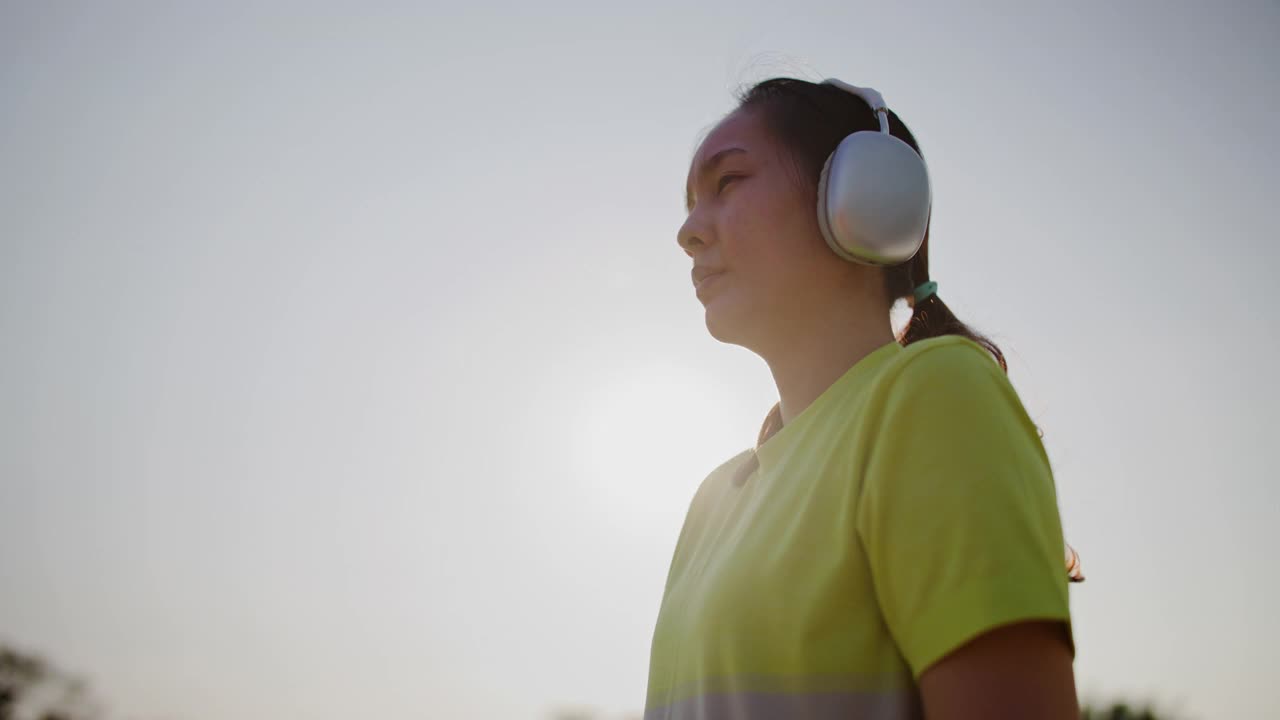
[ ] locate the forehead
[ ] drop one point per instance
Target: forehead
(737, 130)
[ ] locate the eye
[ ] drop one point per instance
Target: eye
(724, 181)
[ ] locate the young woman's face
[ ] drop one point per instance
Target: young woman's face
(750, 223)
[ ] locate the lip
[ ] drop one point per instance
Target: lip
(702, 272)
(705, 280)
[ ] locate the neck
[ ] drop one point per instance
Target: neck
(813, 357)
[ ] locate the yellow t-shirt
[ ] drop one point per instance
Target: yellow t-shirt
(906, 510)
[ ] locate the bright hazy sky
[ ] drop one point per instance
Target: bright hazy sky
(349, 366)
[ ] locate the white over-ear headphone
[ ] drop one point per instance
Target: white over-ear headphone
(873, 193)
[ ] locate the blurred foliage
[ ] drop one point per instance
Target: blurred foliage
(1120, 711)
(1115, 711)
(32, 689)
(577, 713)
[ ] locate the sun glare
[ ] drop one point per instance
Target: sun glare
(642, 445)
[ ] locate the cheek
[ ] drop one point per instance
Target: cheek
(772, 243)
(780, 235)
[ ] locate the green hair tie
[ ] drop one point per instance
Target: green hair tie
(924, 290)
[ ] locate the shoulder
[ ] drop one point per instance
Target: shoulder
(726, 472)
(714, 482)
(947, 355)
(712, 487)
(949, 364)
(953, 379)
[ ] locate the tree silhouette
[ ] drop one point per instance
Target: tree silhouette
(1116, 711)
(1119, 711)
(32, 689)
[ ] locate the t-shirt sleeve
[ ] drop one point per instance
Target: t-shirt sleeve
(958, 511)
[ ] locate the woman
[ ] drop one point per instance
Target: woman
(891, 547)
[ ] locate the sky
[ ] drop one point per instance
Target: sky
(349, 365)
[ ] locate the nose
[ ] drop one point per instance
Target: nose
(691, 235)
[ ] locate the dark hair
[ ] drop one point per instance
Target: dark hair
(808, 120)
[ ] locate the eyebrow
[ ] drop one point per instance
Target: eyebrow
(707, 166)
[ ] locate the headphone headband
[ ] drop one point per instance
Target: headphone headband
(870, 97)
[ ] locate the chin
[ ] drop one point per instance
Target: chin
(724, 326)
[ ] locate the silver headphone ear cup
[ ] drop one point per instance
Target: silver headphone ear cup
(875, 199)
(824, 215)
(824, 221)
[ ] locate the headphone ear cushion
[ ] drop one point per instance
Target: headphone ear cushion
(824, 223)
(874, 199)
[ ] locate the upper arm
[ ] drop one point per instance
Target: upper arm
(1021, 670)
(958, 516)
